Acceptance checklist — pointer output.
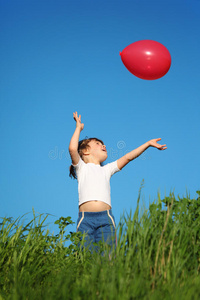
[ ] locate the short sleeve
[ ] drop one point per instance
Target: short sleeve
(79, 165)
(113, 168)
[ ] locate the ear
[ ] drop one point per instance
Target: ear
(86, 151)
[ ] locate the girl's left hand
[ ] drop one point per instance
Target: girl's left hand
(153, 143)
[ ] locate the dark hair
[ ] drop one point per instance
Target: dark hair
(82, 145)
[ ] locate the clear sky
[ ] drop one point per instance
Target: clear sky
(58, 57)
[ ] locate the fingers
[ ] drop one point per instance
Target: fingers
(162, 147)
(157, 145)
(75, 115)
(76, 118)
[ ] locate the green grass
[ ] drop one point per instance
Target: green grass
(157, 257)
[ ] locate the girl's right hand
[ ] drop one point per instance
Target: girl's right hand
(78, 121)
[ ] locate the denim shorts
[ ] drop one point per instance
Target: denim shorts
(98, 226)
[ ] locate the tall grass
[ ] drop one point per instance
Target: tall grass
(157, 257)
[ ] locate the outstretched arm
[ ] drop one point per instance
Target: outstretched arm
(73, 145)
(124, 160)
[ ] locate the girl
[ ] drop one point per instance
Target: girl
(95, 214)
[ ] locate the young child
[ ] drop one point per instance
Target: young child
(95, 214)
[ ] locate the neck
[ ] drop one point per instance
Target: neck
(91, 160)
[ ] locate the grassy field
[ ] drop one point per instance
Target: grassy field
(157, 257)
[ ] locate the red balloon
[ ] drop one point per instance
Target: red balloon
(146, 59)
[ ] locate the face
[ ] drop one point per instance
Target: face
(98, 150)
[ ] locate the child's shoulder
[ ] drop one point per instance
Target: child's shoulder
(112, 167)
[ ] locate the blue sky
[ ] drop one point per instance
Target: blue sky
(58, 57)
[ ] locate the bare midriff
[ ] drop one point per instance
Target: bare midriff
(94, 206)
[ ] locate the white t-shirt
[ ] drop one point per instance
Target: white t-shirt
(94, 181)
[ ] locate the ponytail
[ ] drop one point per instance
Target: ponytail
(72, 172)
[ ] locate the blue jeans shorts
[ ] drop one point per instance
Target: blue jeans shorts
(98, 226)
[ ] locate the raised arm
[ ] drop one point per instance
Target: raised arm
(73, 145)
(124, 160)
